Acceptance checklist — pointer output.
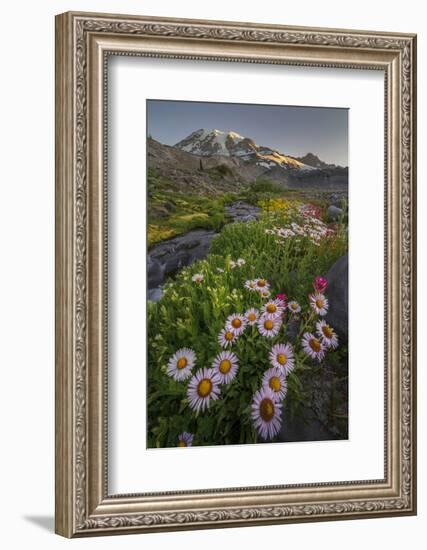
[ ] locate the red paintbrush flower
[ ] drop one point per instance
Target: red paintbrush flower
(320, 284)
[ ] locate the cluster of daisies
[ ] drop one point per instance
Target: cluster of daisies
(310, 226)
(204, 386)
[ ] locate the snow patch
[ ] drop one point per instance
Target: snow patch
(265, 164)
(236, 137)
(243, 153)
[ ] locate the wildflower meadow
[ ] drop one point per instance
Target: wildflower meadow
(237, 336)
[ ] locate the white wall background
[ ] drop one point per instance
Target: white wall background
(27, 273)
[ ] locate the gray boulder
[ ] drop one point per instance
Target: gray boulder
(337, 294)
(292, 329)
(154, 294)
(334, 213)
(304, 427)
(325, 411)
(178, 260)
(241, 211)
(155, 273)
(167, 257)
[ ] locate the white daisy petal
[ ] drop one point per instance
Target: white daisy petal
(185, 439)
(236, 323)
(180, 364)
(294, 307)
(275, 379)
(273, 307)
(251, 285)
(197, 278)
(313, 346)
(327, 334)
(262, 284)
(269, 325)
(202, 388)
(319, 304)
(226, 366)
(266, 413)
(226, 338)
(251, 316)
(282, 357)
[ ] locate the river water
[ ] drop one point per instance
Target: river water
(165, 259)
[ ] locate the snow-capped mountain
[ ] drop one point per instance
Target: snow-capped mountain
(208, 143)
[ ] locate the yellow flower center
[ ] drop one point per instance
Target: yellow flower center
(268, 324)
(251, 316)
(274, 383)
(261, 282)
(182, 443)
(271, 308)
(182, 363)
(327, 331)
(225, 366)
(236, 323)
(282, 359)
(266, 409)
(315, 345)
(204, 387)
(319, 303)
(228, 336)
(293, 306)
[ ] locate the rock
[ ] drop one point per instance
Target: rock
(304, 427)
(155, 273)
(337, 294)
(154, 294)
(334, 213)
(292, 329)
(241, 211)
(176, 261)
(189, 244)
(167, 257)
(337, 200)
(324, 415)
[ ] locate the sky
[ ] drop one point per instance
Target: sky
(294, 131)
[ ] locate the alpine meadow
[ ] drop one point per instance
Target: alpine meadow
(247, 263)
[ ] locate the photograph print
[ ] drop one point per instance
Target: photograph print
(247, 270)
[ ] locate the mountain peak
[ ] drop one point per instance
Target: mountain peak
(213, 143)
(313, 160)
(210, 142)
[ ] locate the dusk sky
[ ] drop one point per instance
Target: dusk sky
(290, 130)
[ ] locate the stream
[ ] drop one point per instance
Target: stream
(166, 258)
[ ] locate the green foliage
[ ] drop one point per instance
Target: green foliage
(192, 315)
(266, 185)
(262, 189)
(220, 171)
(172, 213)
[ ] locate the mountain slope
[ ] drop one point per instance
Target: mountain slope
(208, 143)
(199, 174)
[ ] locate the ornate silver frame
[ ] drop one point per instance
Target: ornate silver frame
(83, 42)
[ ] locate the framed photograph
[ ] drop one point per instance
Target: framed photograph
(235, 274)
